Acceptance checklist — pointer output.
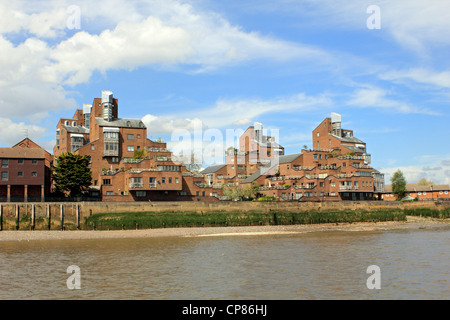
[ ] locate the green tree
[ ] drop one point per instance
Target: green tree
(255, 188)
(71, 173)
(237, 192)
(398, 182)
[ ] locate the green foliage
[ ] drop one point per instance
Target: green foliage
(238, 192)
(398, 182)
(145, 220)
(267, 198)
(426, 212)
(71, 173)
(255, 188)
(139, 154)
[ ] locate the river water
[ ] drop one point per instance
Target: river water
(414, 264)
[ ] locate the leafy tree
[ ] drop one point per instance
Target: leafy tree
(72, 173)
(398, 182)
(255, 187)
(237, 192)
(425, 182)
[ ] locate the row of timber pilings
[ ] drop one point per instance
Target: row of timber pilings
(71, 215)
(40, 216)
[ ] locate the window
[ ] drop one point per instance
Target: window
(203, 193)
(20, 174)
(420, 193)
(315, 156)
(177, 180)
(130, 148)
(197, 193)
(115, 159)
(20, 161)
(4, 163)
(4, 176)
(170, 179)
(163, 180)
(34, 161)
(34, 174)
(107, 181)
(141, 194)
(130, 137)
(329, 142)
(446, 192)
(138, 136)
(109, 193)
(424, 193)
(74, 124)
(92, 147)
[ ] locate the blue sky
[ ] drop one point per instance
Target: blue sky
(287, 64)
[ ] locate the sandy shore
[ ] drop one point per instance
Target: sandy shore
(413, 223)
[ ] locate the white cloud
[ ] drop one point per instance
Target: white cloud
(13, 132)
(161, 125)
(414, 24)
(420, 75)
(433, 171)
(375, 97)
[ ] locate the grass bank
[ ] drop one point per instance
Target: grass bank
(427, 212)
(149, 220)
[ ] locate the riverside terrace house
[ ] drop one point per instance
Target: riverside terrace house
(337, 168)
(433, 192)
(25, 172)
(125, 164)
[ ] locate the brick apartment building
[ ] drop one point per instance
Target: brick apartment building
(337, 168)
(125, 164)
(25, 172)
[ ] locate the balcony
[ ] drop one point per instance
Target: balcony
(136, 185)
(345, 188)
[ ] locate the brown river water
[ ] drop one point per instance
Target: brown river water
(413, 264)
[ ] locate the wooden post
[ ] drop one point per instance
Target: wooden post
(33, 216)
(61, 210)
(78, 216)
(17, 217)
(48, 217)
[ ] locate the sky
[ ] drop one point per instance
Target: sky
(212, 67)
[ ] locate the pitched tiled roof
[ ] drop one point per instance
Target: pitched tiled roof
(22, 153)
(212, 169)
(412, 187)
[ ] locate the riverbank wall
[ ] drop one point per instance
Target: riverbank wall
(71, 216)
